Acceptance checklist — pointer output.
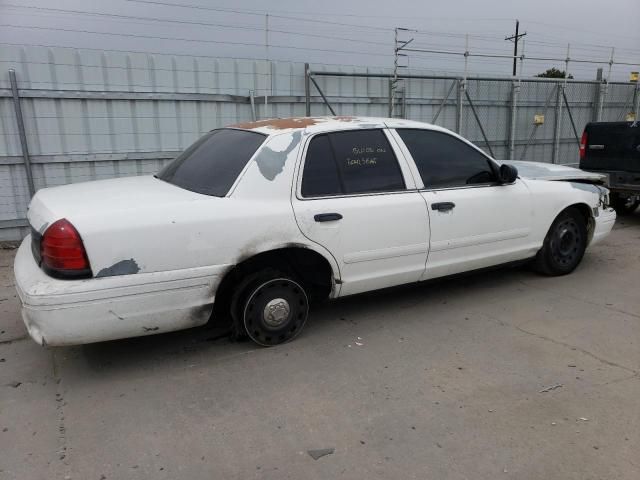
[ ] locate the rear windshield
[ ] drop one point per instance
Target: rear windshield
(212, 163)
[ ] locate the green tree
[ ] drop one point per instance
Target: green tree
(554, 73)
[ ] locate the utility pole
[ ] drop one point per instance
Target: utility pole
(515, 39)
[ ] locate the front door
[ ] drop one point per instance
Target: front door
(358, 201)
(475, 221)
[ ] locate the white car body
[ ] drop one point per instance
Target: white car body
(158, 252)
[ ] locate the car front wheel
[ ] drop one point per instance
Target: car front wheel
(564, 244)
(272, 307)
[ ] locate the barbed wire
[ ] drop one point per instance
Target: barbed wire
(476, 36)
(423, 50)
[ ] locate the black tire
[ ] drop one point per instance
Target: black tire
(564, 245)
(624, 205)
(270, 307)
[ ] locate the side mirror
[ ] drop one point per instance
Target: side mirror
(508, 173)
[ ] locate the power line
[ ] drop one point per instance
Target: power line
(250, 12)
(188, 22)
(254, 12)
(219, 42)
(479, 37)
(564, 27)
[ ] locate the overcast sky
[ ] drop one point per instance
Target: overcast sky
(358, 32)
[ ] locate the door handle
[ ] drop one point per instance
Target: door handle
(443, 206)
(327, 217)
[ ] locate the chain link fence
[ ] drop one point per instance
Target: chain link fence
(71, 115)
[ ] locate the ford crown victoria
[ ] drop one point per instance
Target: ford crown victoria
(258, 221)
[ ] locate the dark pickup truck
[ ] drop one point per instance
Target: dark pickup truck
(613, 148)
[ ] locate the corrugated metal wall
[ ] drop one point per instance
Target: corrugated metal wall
(93, 114)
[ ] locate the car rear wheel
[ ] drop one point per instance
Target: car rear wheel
(564, 245)
(624, 205)
(271, 307)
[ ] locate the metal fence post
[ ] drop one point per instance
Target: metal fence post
(515, 90)
(459, 100)
(21, 131)
(252, 100)
(603, 97)
(605, 87)
(557, 124)
(636, 95)
(597, 97)
(307, 91)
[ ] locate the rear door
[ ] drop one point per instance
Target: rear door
(356, 197)
(475, 221)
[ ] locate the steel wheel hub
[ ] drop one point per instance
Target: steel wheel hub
(276, 312)
(567, 241)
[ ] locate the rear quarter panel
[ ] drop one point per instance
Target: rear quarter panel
(256, 216)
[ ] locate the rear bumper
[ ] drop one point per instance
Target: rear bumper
(70, 312)
(623, 182)
(604, 223)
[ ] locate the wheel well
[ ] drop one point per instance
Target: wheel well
(587, 214)
(306, 265)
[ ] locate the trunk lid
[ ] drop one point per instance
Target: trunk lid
(143, 223)
(78, 201)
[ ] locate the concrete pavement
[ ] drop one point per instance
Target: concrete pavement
(442, 380)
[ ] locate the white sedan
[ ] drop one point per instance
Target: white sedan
(256, 221)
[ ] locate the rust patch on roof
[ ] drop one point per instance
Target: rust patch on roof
(279, 123)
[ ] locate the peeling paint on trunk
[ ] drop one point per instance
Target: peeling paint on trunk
(271, 162)
(123, 267)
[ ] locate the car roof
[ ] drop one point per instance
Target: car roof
(312, 125)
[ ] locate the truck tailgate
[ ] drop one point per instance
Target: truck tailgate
(612, 146)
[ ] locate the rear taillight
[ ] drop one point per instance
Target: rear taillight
(583, 145)
(62, 252)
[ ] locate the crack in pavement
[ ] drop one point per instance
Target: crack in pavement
(13, 340)
(563, 344)
(62, 430)
(567, 295)
(618, 380)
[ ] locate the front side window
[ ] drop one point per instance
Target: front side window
(355, 161)
(445, 161)
(211, 165)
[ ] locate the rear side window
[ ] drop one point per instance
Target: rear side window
(357, 161)
(444, 161)
(320, 170)
(211, 165)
